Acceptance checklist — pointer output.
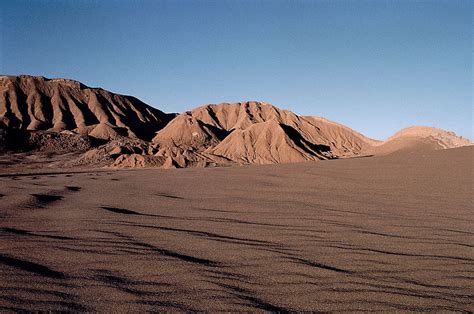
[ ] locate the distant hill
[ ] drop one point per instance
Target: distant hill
(37, 103)
(134, 134)
(418, 138)
(255, 132)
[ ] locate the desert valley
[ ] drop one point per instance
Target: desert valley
(109, 204)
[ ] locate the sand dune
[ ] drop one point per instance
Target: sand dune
(37, 103)
(391, 233)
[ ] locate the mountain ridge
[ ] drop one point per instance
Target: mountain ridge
(249, 132)
(38, 103)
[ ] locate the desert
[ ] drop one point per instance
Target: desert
(81, 126)
(238, 156)
(391, 233)
(108, 204)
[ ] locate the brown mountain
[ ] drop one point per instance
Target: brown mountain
(418, 139)
(37, 103)
(134, 134)
(255, 132)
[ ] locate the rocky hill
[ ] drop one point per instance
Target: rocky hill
(101, 128)
(36, 103)
(418, 139)
(254, 132)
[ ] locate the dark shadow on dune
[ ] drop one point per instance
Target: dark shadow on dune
(164, 252)
(33, 306)
(219, 275)
(121, 211)
(113, 280)
(215, 210)
(45, 199)
(21, 232)
(124, 211)
(184, 257)
(250, 298)
(12, 309)
(169, 196)
(73, 188)
(14, 231)
(424, 256)
(209, 235)
(318, 265)
(131, 286)
(31, 267)
(176, 306)
(45, 293)
(236, 221)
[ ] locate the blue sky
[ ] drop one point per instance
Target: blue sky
(376, 66)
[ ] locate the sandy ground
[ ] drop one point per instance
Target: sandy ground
(381, 233)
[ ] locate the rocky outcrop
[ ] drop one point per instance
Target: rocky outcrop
(36, 103)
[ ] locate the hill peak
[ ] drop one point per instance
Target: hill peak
(226, 133)
(38, 103)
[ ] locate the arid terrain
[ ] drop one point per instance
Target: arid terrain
(270, 211)
(380, 233)
(75, 126)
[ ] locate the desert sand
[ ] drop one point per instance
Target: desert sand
(272, 211)
(391, 233)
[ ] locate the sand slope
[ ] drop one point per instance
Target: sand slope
(390, 233)
(37, 103)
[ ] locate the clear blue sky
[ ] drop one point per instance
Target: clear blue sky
(376, 66)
